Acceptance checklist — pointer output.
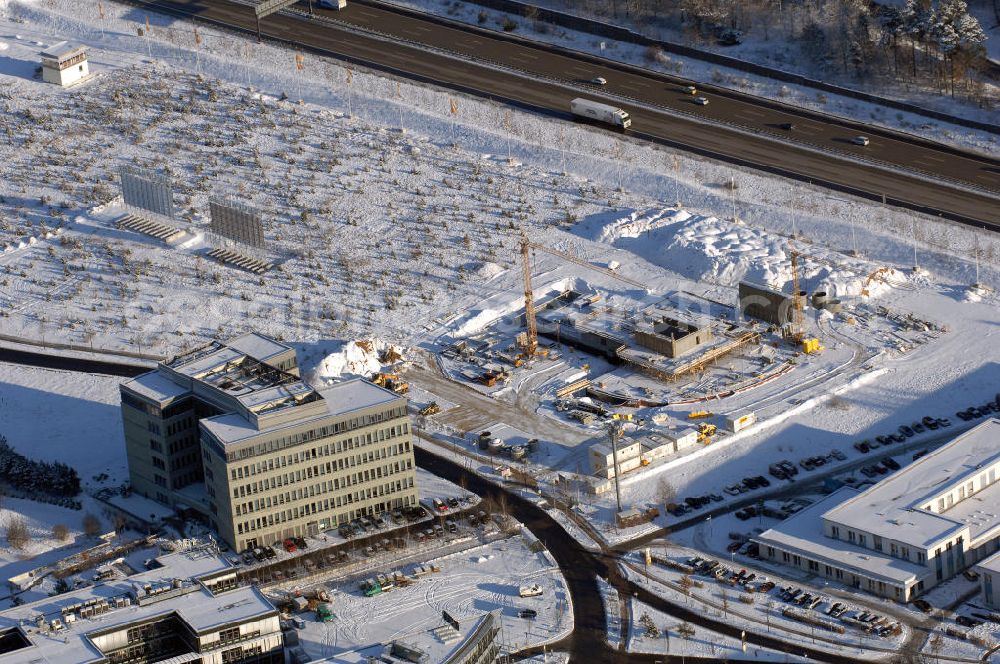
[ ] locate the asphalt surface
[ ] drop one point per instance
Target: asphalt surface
(44, 361)
(545, 78)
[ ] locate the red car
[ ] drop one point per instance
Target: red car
(289, 545)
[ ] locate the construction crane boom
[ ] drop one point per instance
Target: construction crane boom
(530, 345)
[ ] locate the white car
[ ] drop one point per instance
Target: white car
(701, 101)
(599, 80)
(332, 4)
(860, 140)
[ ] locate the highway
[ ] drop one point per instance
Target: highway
(907, 171)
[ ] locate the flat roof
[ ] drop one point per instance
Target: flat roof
(201, 609)
(156, 387)
(258, 346)
(991, 564)
(803, 532)
(892, 507)
(340, 399)
(63, 50)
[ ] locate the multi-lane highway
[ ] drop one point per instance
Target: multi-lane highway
(909, 171)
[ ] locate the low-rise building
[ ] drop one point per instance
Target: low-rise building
(989, 580)
(230, 431)
(908, 533)
(188, 609)
(64, 63)
(602, 459)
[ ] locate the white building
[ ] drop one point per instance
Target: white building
(64, 63)
(989, 580)
(188, 610)
(602, 461)
(908, 533)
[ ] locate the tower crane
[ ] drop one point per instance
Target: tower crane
(798, 325)
(530, 346)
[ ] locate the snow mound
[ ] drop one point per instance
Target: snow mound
(487, 270)
(3, 45)
(354, 358)
(713, 250)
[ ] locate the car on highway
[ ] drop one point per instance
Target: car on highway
(599, 80)
(701, 101)
(860, 140)
(691, 90)
(333, 4)
(787, 126)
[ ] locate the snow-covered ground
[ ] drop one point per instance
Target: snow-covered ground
(372, 229)
(674, 639)
(469, 584)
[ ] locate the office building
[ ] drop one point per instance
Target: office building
(908, 533)
(187, 609)
(231, 431)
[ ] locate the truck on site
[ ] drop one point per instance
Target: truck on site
(530, 591)
(598, 112)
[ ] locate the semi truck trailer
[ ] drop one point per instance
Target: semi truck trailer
(598, 112)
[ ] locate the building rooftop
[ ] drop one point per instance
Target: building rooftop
(893, 506)
(258, 346)
(64, 50)
(991, 564)
(156, 387)
(804, 532)
(339, 399)
(192, 602)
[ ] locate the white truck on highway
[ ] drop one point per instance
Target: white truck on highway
(593, 110)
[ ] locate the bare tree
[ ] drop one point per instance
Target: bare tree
(60, 532)
(18, 534)
(665, 492)
(91, 525)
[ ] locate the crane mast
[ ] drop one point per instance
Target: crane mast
(798, 327)
(531, 342)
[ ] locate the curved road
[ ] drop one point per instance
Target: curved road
(579, 566)
(733, 127)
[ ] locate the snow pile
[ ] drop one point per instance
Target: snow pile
(3, 45)
(712, 250)
(354, 358)
(487, 270)
(637, 223)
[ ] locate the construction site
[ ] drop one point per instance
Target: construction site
(653, 377)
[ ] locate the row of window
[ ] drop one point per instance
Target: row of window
(838, 574)
(317, 470)
(325, 505)
(276, 444)
(861, 539)
(945, 503)
(268, 465)
(318, 489)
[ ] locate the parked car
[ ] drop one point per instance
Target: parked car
(890, 463)
(966, 621)
(453, 502)
(862, 446)
(530, 614)
(923, 605)
(289, 545)
(838, 455)
(883, 440)
(906, 431)
(918, 427)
